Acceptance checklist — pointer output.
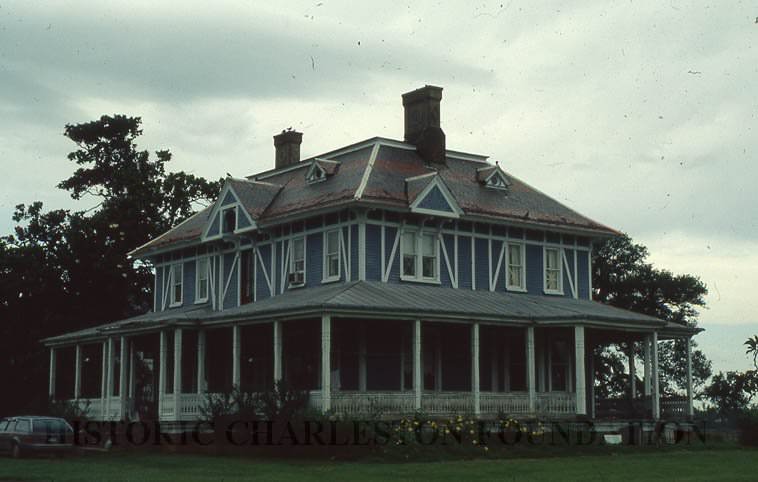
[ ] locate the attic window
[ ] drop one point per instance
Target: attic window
(497, 182)
(229, 220)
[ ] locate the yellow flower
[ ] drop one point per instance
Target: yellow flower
(486, 449)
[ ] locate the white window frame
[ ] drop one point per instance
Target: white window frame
(559, 268)
(522, 281)
(418, 235)
(198, 278)
(173, 303)
(293, 260)
(325, 278)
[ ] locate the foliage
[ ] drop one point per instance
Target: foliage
(622, 277)
(280, 403)
(68, 410)
(752, 349)
(733, 392)
(66, 270)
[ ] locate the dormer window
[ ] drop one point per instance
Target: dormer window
(229, 220)
(497, 182)
(320, 170)
(492, 177)
(316, 175)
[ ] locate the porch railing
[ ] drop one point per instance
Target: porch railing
(372, 403)
(447, 403)
(674, 407)
(556, 403)
(493, 403)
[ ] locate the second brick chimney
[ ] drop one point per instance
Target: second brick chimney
(422, 122)
(287, 145)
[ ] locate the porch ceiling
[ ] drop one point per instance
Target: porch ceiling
(375, 299)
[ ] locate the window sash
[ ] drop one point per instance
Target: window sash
(332, 258)
(420, 256)
(297, 257)
(515, 266)
(429, 256)
(177, 279)
(202, 274)
(552, 270)
(409, 254)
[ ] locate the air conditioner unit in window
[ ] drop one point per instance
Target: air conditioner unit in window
(297, 278)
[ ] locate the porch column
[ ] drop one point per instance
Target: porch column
(646, 355)
(51, 382)
(277, 351)
(162, 353)
(104, 380)
(236, 356)
(78, 372)
(580, 388)
(655, 379)
(530, 369)
(632, 371)
(109, 377)
(417, 381)
(201, 361)
(326, 362)
(494, 367)
(123, 382)
(690, 406)
(591, 384)
(132, 364)
(177, 373)
(475, 367)
(362, 356)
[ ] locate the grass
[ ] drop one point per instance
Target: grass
(679, 464)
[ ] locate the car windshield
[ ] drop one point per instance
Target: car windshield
(50, 425)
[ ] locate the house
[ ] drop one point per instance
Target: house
(387, 276)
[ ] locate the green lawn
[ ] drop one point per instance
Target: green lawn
(705, 465)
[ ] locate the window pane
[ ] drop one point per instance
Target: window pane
(429, 268)
(334, 266)
(514, 276)
(409, 243)
(514, 254)
(551, 258)
(428, 246)
(332, 242)
(409, 265)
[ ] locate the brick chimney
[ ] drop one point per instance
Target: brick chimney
(287, 146)
(422, 122)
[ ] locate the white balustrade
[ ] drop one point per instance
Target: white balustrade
(556, 403)
(674, 408)
(447, 403)
(508, 403)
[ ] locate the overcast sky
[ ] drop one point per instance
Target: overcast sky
(641, 115)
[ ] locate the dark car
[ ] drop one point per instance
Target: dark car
(31, 434)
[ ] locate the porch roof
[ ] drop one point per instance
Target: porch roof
(411, 301)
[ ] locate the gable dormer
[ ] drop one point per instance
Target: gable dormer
(493, 177)
(228, 215)
(428, 194)
(320, 170)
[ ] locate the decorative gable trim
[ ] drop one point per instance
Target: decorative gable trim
(436, 199)
(320, 169)
(227, 200)
(493, 177)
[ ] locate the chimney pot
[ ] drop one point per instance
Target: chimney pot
(287, 145)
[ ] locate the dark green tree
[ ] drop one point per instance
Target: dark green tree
(64, 270)
(622, 277)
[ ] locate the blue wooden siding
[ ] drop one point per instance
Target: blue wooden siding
(353, 252)
(213, 229)
(230, 269)
(568, 273)
(389, 241)
(314, 267)
(228, 199)
(464, 262)
(534, 282)
(436, 201)
(500, 280)
(448, 241)
(261, 289)
(242, 221)
(583, 275)
(373, 252)
(482, 264)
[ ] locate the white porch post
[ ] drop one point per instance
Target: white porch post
(132, 364)
(438, 363)
(530, 369)
(104, 380)
(163, 352)
(591, 381)
(177, 373)
(475, 367)
(123, 382)
(690, 405)
(646, 355)
(51, 382)
(495, 371)
(362, 356)
(78, 372)
(277, 351)
(655, 379)
(109, 377)
(236, 345)
(579, 356)
(326, 363)
(417, 382)
(201, 361)
(632, 371)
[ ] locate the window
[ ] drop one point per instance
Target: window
(23, 426)
(297, 262)
(201, 280)
(332, 255)
(516, 271)
(176, 275)
(229, 220)
(247, 277)
(553, 272)
(425, 266)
